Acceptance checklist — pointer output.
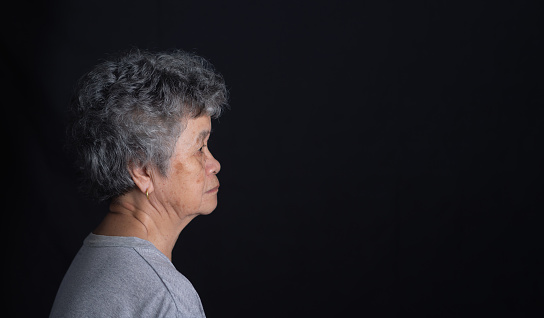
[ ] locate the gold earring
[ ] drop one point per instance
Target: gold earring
(147, 194)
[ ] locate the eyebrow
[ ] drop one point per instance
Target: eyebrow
(203, 134)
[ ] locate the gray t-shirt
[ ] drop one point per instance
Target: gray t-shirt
(115, 276)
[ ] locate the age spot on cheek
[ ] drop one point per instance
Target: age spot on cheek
(178, 168)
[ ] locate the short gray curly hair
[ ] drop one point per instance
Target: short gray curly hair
(130, 109)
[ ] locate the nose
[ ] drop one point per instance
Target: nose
(212, 165)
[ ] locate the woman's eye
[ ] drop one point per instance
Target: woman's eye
(201, 148)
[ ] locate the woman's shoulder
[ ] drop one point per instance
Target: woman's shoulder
(108, 277)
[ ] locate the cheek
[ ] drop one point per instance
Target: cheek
(190, 176)
(200, 172)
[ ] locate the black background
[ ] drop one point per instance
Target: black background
(380, 158)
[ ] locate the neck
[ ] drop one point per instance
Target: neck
(132, 215)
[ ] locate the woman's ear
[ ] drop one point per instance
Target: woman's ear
(142, 175)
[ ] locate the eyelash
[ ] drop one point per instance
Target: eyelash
(200, 149)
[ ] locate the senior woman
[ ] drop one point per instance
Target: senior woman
(140, 127)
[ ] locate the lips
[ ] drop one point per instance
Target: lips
(213, 189)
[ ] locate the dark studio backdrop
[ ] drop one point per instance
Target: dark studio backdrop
(380, 158)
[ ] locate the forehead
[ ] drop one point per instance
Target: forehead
(195, 130)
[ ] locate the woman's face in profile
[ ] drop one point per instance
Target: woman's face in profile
(191, 186)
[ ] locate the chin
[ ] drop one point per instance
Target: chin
(209, 208)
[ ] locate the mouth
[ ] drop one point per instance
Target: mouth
(213, 190)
